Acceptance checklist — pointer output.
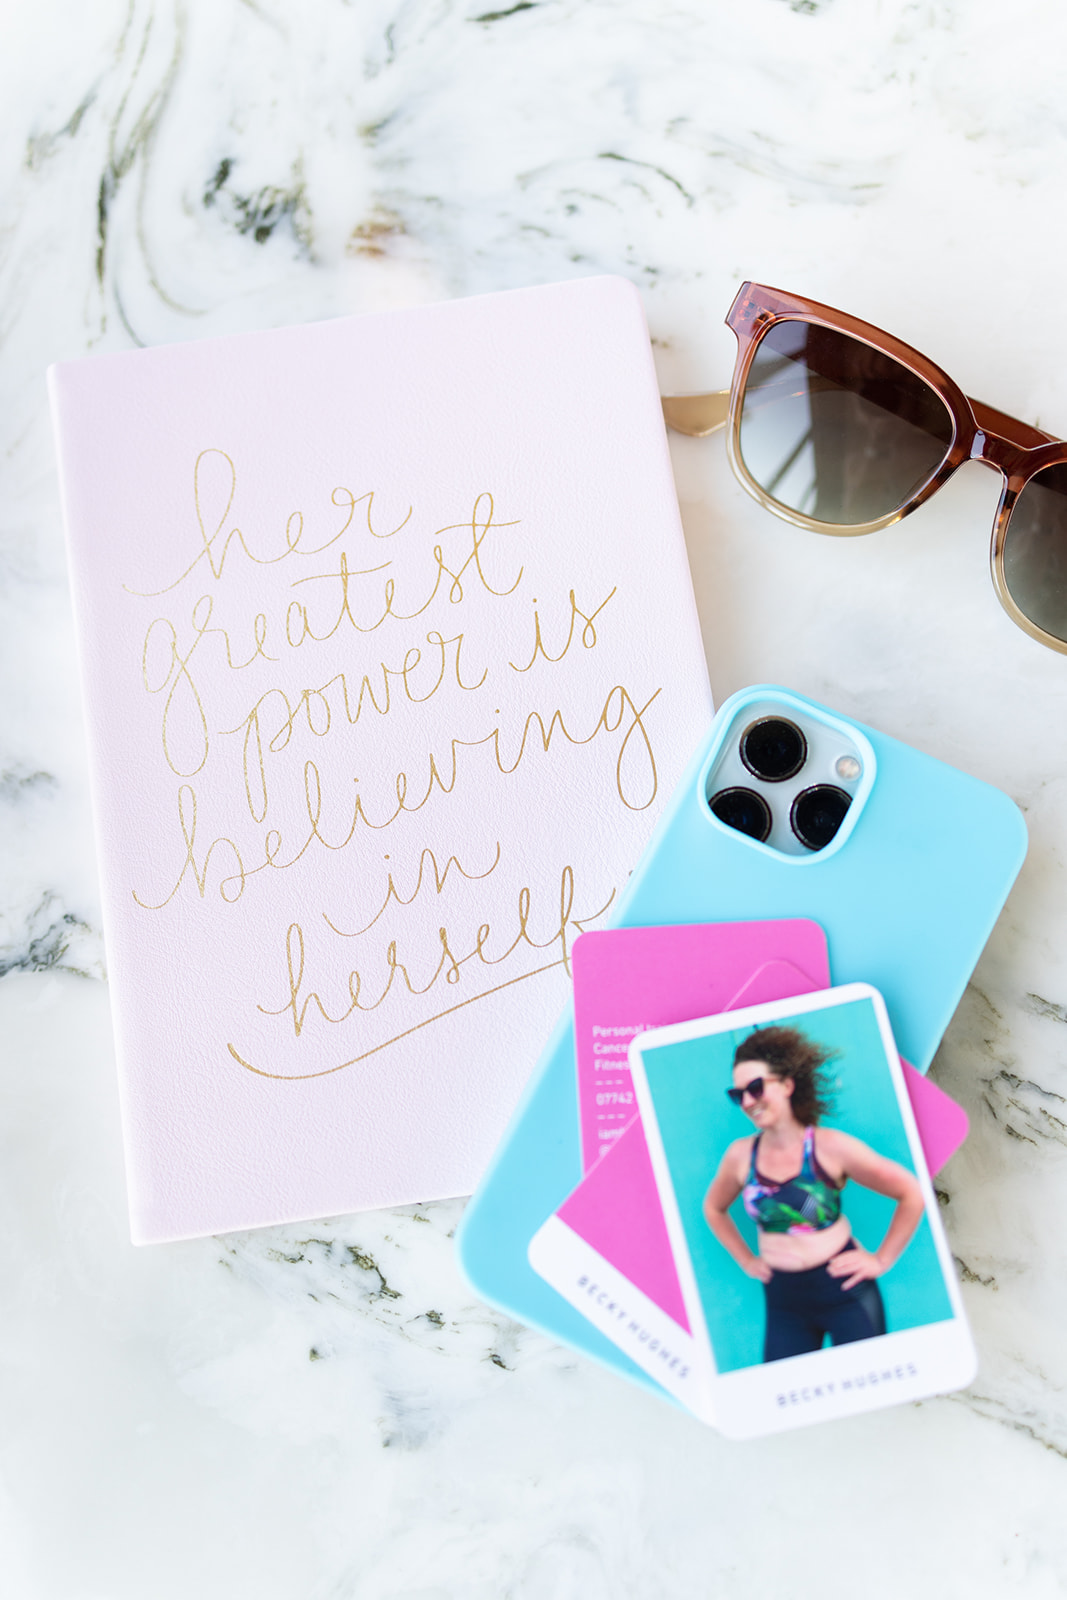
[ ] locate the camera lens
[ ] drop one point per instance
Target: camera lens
(817, 814)
(773, 749)
(744, 810)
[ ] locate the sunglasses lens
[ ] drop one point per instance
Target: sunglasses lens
(754, 1090)
(1035, 551)
(835, 430)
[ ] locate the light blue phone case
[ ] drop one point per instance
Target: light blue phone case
(907, 894)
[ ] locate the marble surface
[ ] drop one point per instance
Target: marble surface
(326, 1412)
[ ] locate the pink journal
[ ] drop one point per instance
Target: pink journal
(390, 659)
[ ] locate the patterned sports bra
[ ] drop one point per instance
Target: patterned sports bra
(804, 1204)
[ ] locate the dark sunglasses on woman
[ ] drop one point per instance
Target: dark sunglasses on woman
(840, 428)
(753, 1088)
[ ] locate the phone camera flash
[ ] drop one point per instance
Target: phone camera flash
(847, 768)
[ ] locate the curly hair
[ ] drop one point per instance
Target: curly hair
(791, 1054)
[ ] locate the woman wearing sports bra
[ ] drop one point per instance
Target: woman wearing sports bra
(818, 1282)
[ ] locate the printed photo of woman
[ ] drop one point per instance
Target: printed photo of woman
(819, 1283)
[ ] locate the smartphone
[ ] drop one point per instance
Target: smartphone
(904, 862)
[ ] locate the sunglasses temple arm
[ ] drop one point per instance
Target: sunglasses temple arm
(696, 414)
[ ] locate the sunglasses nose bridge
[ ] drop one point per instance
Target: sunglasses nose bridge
(991, 450)
(1002, 441)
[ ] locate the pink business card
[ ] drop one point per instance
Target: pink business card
(606, 1249)
(630, 979)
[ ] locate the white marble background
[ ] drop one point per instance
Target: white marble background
(324, 1412)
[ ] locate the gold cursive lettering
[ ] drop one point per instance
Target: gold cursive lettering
(398, 973)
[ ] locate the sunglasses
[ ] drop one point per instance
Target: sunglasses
(754, 1089)
(840, 428)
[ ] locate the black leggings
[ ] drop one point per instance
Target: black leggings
(804, 1307)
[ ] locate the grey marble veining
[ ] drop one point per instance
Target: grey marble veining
(327, 1411)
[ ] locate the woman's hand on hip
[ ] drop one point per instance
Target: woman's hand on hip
(855, 1266)
(758, 1268)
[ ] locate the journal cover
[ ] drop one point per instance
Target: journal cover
(390, 658)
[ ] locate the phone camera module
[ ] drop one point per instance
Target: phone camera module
(818, 813)
(773, 749)
(744, 810)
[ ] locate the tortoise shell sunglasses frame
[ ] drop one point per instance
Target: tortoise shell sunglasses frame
(979, 432)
